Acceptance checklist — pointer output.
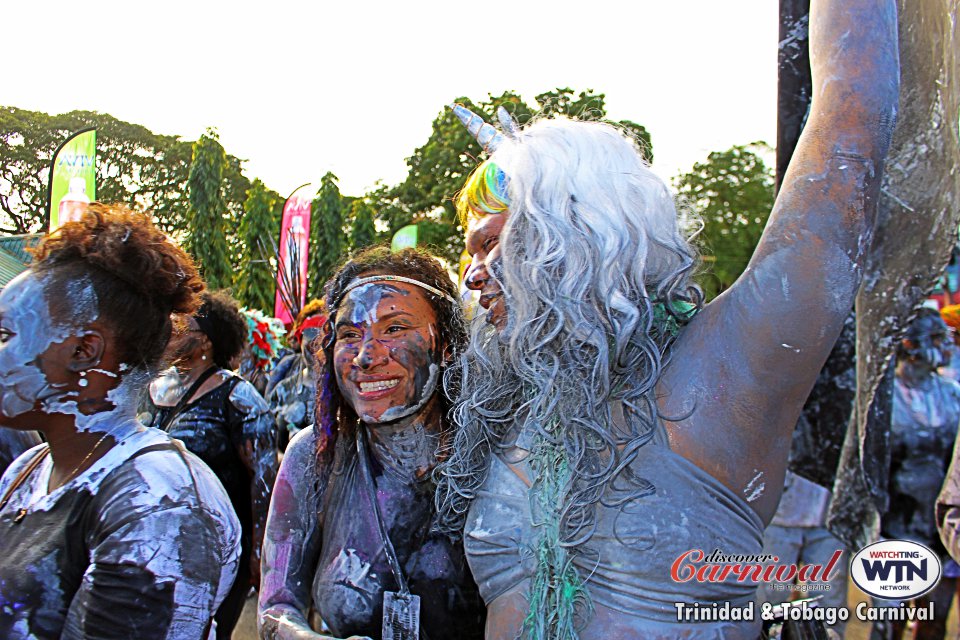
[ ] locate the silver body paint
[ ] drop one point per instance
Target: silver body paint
(366, 299)
(396, 413)
(22, 384)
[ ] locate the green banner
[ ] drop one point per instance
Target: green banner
(73, 177)
(405, 237)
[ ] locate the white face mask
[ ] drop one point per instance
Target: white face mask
(27, 331)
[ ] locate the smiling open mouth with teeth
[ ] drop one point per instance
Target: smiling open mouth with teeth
(378, 385)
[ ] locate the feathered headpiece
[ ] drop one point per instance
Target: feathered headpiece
(264, 335)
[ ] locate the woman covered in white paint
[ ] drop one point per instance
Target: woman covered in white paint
(349, 534)
(109, 529)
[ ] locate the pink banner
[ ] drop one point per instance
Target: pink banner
(294, 245)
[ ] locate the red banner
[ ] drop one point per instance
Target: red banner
(292, 267)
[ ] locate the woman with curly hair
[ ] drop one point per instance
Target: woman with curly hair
(349, 534)
(221, 418)
(109, 529)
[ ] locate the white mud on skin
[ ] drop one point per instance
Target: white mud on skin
(755, 487)
(30, 331)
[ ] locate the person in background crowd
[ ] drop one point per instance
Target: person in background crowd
(288, 360)
(13, 443)
(261, 351)
(349, 533)
(221, 418)
(926, 412)
(109, 529)
(293, 399)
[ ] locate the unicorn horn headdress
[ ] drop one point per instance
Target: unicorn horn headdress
(488, 137)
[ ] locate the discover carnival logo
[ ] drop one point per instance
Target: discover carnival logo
(895, 569)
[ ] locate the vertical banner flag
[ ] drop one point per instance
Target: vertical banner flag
(404, 238)
(73, 173)
(292, 259)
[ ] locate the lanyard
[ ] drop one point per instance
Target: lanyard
(401, 611)
(381, 526)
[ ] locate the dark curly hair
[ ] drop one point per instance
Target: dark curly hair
(139, 276)
(333, 415)
(220, 320)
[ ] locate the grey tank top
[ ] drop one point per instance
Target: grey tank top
(626, 565)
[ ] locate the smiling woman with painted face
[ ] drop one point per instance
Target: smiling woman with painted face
(349, 527)
(110, 529)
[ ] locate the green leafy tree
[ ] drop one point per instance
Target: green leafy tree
(732, 193)
(327, 246)
(146, 171)
(207, 232)
(254, 284)
(438, 169)
(363, 231)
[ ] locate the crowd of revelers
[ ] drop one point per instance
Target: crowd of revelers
(399, 472)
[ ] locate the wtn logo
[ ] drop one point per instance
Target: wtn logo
(895, 569)
(902, 569)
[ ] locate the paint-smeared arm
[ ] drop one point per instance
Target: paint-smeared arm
(291, 545)
(257, 447)
(749, 359)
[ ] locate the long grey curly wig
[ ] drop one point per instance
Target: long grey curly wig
(596, 279)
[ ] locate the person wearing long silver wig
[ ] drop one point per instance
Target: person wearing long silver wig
(608, 423)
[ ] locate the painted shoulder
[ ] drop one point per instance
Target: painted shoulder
(168, 475)
(951, 386)
(246, 399)
(302, 448)
(165, 389)
(19, 462)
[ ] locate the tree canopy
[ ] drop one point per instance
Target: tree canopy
(732, 192)
(135, 166)
(327, 245)
(254, 280)
(207, 229)
(363, 231)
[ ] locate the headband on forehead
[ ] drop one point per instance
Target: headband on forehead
(423, 285)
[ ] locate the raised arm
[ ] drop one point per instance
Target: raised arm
(745, 365)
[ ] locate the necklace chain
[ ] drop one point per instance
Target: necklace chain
(23, 511)
(73, 473)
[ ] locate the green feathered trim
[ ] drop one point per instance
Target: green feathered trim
(557, 592)
(683, 312)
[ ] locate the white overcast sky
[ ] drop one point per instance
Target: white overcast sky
(300, 88)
